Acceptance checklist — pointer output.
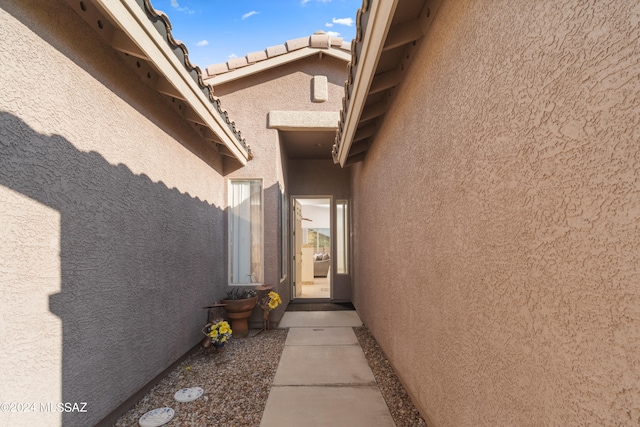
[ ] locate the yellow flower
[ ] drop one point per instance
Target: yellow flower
(274, 300)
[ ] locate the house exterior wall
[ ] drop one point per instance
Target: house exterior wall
(112, 217)
(497, 213)
(318, 177)
(249, 100)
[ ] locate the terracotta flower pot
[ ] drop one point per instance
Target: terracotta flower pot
(239, 311)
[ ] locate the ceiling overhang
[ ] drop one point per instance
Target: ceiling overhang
(303, 120)
(305, 134)
(135, 29)
(386, 32)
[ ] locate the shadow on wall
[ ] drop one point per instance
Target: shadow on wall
(137, 261)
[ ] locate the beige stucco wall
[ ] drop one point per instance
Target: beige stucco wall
(497, 217)
(111, 213)
(249, 100)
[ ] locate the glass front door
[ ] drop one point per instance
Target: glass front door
(313, 247)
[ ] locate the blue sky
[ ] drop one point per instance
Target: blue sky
(216, 30)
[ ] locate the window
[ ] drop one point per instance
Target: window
(342, 236)
(284, 236)
(245, 232)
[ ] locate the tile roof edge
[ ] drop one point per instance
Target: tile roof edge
(318, 40)
(361, 70)
(193, 70)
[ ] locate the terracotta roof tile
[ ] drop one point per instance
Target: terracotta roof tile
(296, 44)
(163, 26)
(234, 63)
(256, 56)
(217, 69)
(318, 40)
(276, 50)
(339, 43)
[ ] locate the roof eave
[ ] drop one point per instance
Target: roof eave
(130, 17)
(369, 74)
(380, 17)
(276, 61)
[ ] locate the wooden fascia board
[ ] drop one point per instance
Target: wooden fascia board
(132, 20)
(378, 24)
(276, 61)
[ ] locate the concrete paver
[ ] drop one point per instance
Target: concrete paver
(319, 319)
(326, 406)
(321, 336)
(332, 365)
(323, 378)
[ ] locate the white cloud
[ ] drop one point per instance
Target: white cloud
(333, 34)
(303, 2)
(202, 43)
(328, 24)
(343, 21)
(246, 15)
(233, 55)
(176, 6)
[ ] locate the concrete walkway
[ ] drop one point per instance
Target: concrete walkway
(323, 378)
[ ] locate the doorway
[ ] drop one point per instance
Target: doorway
(312, 244)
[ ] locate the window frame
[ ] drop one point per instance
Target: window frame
(284, 236)
(230, 223)
(343, 237)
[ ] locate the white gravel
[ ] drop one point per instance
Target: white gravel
(237, 381)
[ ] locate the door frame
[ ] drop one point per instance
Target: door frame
(292, 263)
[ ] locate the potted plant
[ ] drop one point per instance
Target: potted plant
(239, 304)
(216, 334)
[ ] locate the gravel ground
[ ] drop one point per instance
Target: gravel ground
(237, 380)
(236, 383)
(402, 410)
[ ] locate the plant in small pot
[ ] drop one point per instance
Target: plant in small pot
(216, 334)
(239, 304)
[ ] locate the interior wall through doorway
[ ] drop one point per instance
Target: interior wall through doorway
(315, 249)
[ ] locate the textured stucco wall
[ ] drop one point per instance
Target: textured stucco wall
(318, 177)
(111, 213)
(497, 217)
(249, 101)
